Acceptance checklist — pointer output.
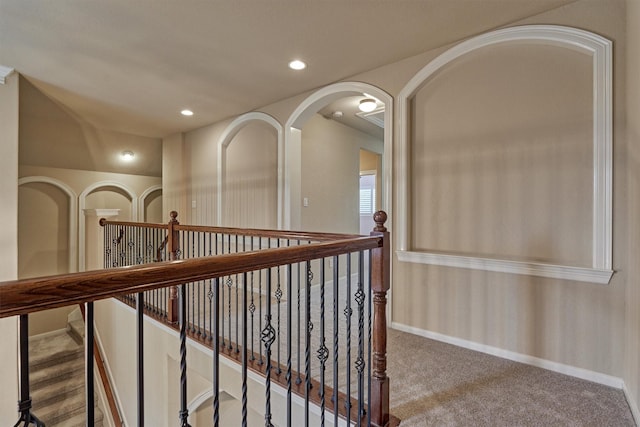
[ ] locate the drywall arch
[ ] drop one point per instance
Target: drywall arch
(143, 198)
(73, 211)
(311, 105)
(82, 200)
(225, 139)
(600, 49)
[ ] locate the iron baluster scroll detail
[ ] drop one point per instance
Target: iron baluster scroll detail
(268, 336)
(24, 405)
(184, 411)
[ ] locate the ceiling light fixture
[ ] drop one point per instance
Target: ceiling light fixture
(297, 65)
(186, 112)
(127, 156)
(367, 105)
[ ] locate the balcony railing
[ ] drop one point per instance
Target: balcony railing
(305, 310)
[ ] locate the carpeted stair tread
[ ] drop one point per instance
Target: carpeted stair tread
(57, 391)
(55, 372)
(53, 414)
(76, 329)
(50, 349)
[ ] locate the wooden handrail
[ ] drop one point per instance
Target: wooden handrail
(256, 232)
(43, 293)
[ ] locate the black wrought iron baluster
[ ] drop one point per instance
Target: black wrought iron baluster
(323, 351)
(222, 285)
(348, 312)
(278, 295)
(199, 287)
(336, 331)
(307, 343)
(370, 349)
(299, 328)
(210, 296)
(192, 286)
(268, 336)
(289, 349)
(237, 300)
(183, 415)
(229, 287)
(216, 353)
(88, 367)
(360, 297)
(252, 307)
(24, 405)
(261, 361)
(140, 350)
(244, 349)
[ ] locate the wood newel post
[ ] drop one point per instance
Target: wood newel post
(380, 282)
(173, 243)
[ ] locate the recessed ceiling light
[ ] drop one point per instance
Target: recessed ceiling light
(186, 112)
(127, 156)
(297, 65)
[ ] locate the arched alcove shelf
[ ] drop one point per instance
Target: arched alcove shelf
(73, 212)
(81, 207)
(225, 139)
(585, 42)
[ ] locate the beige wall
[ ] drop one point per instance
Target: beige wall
(582, 325)
(53, 136)
(578, 324)
(501, 162)
(9, 93)
(632, 353)
(174, 196)
(43, 226)
(251, 177)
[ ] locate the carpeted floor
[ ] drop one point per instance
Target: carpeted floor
(438, 384)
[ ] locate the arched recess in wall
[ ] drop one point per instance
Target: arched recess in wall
(227, 137)
(599, 50)
(147, 196)
(310, 106)
(73, 210)
(82, 201)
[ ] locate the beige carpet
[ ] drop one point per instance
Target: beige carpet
(437, 384)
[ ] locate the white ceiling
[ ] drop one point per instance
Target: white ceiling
(131, 66)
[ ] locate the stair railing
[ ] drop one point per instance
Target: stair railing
(274, 257)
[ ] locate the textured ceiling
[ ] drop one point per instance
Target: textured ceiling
(131, 66)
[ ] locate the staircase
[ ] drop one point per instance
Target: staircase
(56, 361)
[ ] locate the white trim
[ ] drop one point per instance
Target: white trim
(632, 404)
(143, 198)
(4, 73)
(81, 207)
(73, 212)
(580, 274)
(310, 106)
(573, 371)
(111, 380)
(224, 141)
(583, 41)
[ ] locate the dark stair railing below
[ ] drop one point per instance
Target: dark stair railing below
(161, 289)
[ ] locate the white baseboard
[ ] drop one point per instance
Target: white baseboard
(632, 405)
(573, 371)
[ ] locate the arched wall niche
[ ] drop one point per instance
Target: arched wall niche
(73, 208)
(149, 196)
(292, 140)
(82, 202)
(227, 138)
(599, 50)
